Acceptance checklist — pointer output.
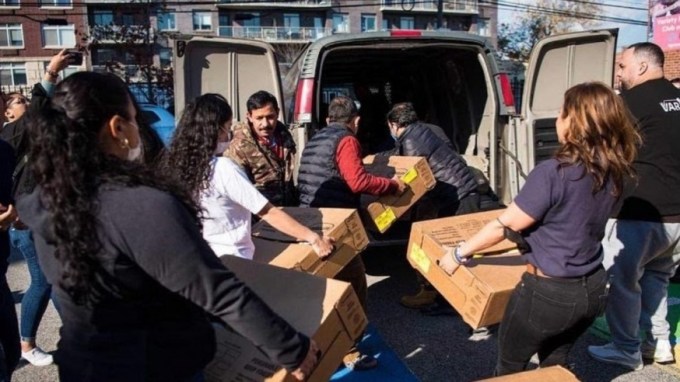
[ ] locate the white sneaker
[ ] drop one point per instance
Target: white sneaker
(661, 352)
(611, 354)
(37, 357)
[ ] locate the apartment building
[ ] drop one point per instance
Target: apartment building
(31, 32)
(123, 36)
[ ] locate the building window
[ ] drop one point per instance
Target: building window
(202, 21)
(9, 3)
(483, 27)
(406, 23)
(56, 3)
(224, 25)
(251, 19)
(368, 23)
(59, 36)
(165, 55)
(341, 23)
(102, 18)
(166, 20)
(128, 19)
(11, 36)
(291, 21)
(13, 73)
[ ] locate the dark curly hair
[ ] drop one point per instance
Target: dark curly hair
(70, 168)
(194, 142)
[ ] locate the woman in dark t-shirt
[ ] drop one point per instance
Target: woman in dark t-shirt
(560, 215)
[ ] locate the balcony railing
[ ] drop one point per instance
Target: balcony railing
(130, 34)
(450, 6)
(275, 4)
(276, 34)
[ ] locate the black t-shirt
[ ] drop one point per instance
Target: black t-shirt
(656, 106)
(160, 282)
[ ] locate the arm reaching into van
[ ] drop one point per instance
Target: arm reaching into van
(348, 159)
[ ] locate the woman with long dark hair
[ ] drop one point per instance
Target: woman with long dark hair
(226, 195)
(560, 215)
(123, 249)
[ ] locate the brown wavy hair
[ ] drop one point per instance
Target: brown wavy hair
(600, 134)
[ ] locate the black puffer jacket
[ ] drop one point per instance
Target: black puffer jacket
(319, 180)
(454, 179)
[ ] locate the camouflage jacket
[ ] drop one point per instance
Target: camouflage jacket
(272, 176)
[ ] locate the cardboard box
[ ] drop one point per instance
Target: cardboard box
(479, 291)
(548, 374)
(344, 225)
(324, 309)
(414, 171)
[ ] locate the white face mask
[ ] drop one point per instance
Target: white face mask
(135, 153)
(221, 148)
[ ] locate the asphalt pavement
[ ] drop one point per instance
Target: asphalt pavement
(434, 348)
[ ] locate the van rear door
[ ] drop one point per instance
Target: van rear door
(234, 68)
(556, 64)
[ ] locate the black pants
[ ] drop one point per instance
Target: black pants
(546, 316)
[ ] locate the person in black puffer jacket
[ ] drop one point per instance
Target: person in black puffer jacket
(457, 191)
(457, 188)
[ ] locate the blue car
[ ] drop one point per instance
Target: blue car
(160, 120)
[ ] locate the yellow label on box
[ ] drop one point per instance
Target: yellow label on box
(384, 220)
(410, 176)
(420, 258)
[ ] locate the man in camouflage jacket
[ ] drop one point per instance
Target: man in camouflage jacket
(265, 150)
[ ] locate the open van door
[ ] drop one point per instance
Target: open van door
(233, 68)
(556, 64)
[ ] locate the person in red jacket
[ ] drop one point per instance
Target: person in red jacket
(333, 175)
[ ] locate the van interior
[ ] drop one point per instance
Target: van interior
(445, 83)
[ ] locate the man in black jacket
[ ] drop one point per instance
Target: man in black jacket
(457, 191)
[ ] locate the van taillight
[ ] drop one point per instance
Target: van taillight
(405, 33)
(303, 100)
(508, 98)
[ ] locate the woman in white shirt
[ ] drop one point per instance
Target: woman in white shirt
(223, 191)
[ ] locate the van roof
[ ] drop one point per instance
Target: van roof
(401, 36)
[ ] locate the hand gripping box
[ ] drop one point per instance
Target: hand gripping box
(325, 310)
(548, 374)
(342, 224)
(383, 211)
(479, 291)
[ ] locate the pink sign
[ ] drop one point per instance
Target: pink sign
(667, 32)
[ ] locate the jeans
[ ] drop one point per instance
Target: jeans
(546, 316)
(641, 257)
(10, 352)
(37, 295)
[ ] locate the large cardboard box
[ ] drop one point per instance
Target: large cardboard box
(324, 309)
(414, 171)
(344, 225)
(479, 291)
(548, 374)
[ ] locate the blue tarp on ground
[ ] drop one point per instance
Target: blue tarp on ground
(390, 367)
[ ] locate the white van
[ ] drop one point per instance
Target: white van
(452, 77)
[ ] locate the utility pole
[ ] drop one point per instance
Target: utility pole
(440, 13)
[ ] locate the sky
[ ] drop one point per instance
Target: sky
(628, 33)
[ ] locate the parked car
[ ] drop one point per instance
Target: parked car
(160, 120)
(452, 77)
